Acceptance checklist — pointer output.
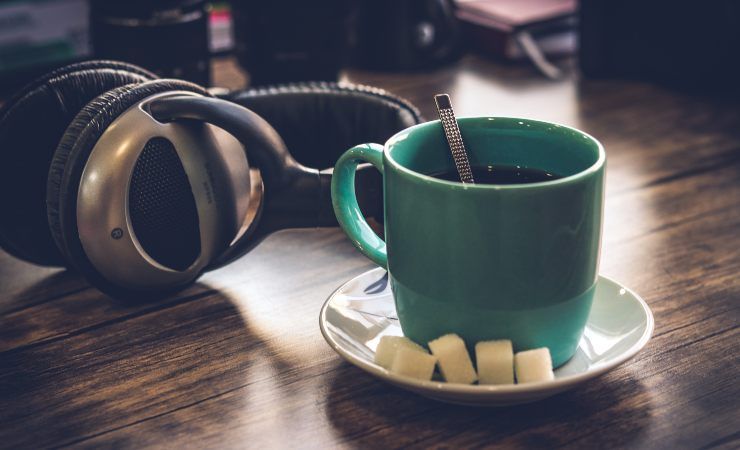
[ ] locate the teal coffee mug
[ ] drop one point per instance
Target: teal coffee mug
(485, 261)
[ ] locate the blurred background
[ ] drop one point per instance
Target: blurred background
(687, 45)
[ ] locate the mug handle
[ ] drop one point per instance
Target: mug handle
(344, 201)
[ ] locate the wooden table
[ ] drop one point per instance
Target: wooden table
(238, 360)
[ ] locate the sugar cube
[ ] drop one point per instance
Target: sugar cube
(453, 358)
(533, 365)
(389, 345)
(413, 363)
(495, 362)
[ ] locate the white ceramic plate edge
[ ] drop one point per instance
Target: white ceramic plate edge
(555, 386)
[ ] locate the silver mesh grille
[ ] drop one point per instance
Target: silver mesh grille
(162, 207)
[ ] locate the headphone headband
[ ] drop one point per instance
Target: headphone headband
(295, 195)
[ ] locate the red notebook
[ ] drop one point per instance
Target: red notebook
(516, 13)
(491, 23)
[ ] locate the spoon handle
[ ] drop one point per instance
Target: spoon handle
(454, 138)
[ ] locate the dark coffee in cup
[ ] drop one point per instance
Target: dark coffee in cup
(500, 174)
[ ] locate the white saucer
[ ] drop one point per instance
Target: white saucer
(362, 310)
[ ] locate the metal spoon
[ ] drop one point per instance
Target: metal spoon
(454, 138)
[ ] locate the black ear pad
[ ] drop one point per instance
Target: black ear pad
(69, 162)
(31, 126)
(320, 121)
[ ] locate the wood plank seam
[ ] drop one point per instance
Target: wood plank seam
(97, 326)
(155, 416)
(734, 157)
(44, 301)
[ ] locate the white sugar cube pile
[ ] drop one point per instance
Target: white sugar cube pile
(495, 361)
(533, 365)
(453, 358)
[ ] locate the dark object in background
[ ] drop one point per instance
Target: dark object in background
(287, 40)
(169, 37)
(38, 36)
(693, 45)
(406, 34)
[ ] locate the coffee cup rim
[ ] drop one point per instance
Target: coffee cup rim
(595, 167)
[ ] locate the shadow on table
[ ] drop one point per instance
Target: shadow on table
(137, 362)
(49, 287)
(614, 409)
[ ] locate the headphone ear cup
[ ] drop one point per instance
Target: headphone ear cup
(71, 68)
(70, 159)
(31, 125)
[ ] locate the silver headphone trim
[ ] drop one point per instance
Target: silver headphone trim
(208, 154)
(256, 197)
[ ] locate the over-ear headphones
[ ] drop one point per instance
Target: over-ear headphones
(142, 184)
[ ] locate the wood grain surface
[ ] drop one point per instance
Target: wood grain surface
(237, 360)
